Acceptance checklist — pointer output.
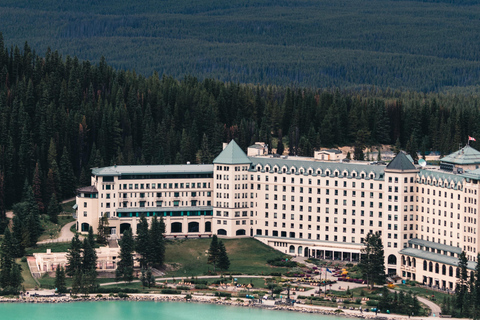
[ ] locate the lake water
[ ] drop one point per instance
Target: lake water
(119, 310)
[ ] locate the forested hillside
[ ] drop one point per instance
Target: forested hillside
(416, 45)
(60, 116)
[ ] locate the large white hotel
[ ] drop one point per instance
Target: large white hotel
(426, 215)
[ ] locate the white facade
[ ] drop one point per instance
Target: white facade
(301, 207)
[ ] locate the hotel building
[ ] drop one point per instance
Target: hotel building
(301, 206)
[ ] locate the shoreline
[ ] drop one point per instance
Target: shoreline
(246, 303)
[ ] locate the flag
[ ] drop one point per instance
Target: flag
(471, 138)
(328, 270)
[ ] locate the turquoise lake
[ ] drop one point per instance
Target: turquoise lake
(130, 310)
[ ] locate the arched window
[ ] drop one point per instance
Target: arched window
(222, 232)
(392, 259)
(430, 267)
(424, 265)
(291, 250)
(437, 268)
(176, 227)
(85, 227)
(414, 262)
(444, 269)
(300, 250)
(193, 227)
(208, 226)
(240, 232)
(450, 271)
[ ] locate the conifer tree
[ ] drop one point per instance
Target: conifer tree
(60, 283)
(74, 257)
(223, 260)
(142, 242)
(213, 252)
(157, 242)
(372, 264)
(53, 209)
(125, 265)
(102, 230)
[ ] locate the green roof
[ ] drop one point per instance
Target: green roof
(153, 169)
(435, 257)
(435, 245)
(344, 169)
(401, 163)
(232, 154)
(466, 155)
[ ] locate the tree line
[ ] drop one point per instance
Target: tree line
(60, 116)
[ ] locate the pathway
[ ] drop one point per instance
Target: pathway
(65, 235)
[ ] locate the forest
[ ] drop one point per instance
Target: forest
(60, 116)
(410, 45)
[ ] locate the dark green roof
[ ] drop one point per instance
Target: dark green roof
(232, 154)
(401, 163)
(466, 155)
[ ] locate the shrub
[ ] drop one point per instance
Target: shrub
(115, 290)
(122, 295)
(183, 288)
(222, 294)
(170, 291)
(282, 262)
(372, 303)
(201, 286)
(358, 301)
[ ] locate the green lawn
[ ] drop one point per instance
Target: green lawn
(28, 281)
(247, 256)
(423, 292)
(56, 247)
(68, 207)
(52, 230)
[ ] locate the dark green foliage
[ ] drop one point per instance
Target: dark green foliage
(60, 283)
(125, 265)
(213, 252)
(156, 246)
(147, 278)
(54, 208)
(282, 262)
(372, 263)
(398, 302)
(74, 257)
(223, 261)
(142, 245)
(10, 272)
(102, 230)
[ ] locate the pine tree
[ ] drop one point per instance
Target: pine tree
(461, 290)
(223, 261)
(157, 242)
(372, 263)
(37, 188)
(60, 283)
(6, 259)
(89, 265)
(125, 265)
(142, 242)
(102, 230)
(67, 177)
(213, 252)
(74, 257)
(53, 209)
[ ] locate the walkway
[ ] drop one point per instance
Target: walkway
(65, 235)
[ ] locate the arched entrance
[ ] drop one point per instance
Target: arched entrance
(208, 226)
(392, 259)
(124, 227)
(291, 249)
(222, 232)
(305, 253)
(300, 250)
(85, 227)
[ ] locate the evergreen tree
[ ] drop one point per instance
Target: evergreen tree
(372, 263)
(461, 290)
(74, 257)
(125, 265)
(6, 259)
(89, 266)
(54, 209)
(157, 242)
(223, 261)
(102, 230)
(60, 283)
(67, 177)
(213, 252)
(142, 242)
(37, 188)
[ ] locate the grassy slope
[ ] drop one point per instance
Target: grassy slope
(247, 256)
